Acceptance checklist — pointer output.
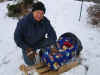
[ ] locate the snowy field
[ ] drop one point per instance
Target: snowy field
(63, 15)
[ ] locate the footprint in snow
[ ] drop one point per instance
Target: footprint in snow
(98, 55)
(4, 63)
(91, 38)
(0, 41)
(4, 60)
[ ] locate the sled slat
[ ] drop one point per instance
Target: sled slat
(67, 67)
(39, 65)
(42, 70)
(64, 68)
(24, 69)
(50, 73)
(45, 70)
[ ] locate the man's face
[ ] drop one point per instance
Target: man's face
(38, 15)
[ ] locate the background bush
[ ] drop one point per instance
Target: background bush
(13, 10)
(1, 0)
(95, 1)
(27, 2)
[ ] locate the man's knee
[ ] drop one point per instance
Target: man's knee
(28, 61)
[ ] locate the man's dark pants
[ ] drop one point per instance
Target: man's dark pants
(42, 45)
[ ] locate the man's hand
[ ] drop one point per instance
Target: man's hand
(30, 53)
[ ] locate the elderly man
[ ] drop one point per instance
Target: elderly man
(31, 31)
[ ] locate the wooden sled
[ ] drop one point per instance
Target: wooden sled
(42, 69)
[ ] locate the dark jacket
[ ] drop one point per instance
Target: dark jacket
(29, 33)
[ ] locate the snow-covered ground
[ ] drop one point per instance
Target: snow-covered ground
(64, 16)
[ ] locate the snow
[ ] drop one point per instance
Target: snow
(64, 15)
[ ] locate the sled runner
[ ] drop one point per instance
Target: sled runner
(45, 70)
